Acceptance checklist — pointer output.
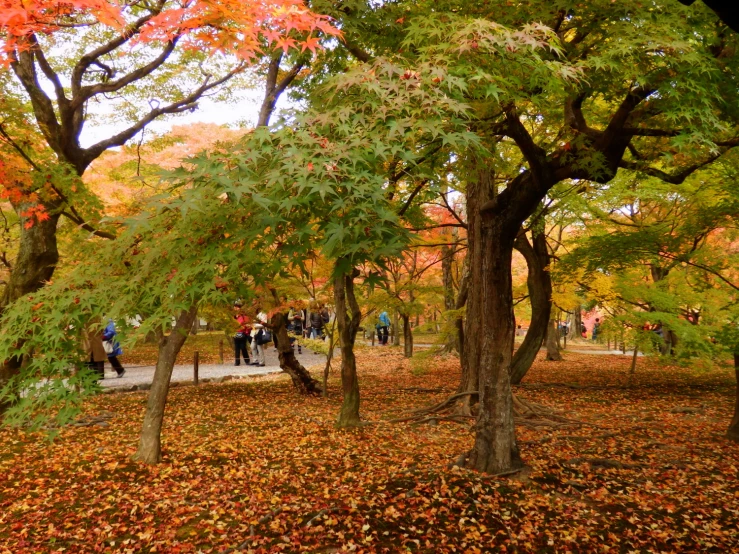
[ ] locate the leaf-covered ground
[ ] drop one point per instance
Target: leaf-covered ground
(253, 466)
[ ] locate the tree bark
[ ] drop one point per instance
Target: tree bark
(37, 257)
(348, 323)
(407, 336)
(539, 283)
(553, 354)
(495, 449)
(34, 265)
(576, 323)
(396, 335)
(733, 430)
(478, 323)
(150, 448)
(288, 362)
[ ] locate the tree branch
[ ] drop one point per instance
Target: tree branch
(187, 103)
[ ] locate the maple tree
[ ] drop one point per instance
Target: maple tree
(140, 61)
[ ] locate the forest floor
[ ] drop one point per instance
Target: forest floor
(252, 467)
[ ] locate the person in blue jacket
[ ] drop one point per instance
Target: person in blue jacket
(114, 348)
(384, 327)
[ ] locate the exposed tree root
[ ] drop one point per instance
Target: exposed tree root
(527, 413)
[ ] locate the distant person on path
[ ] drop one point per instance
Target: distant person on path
(258, 340)
(596, 329)
(316, 324)
(92, 343)
(583, 331)
(384, 327)
(242, 336)
(113, 349)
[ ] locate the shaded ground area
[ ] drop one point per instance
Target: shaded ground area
(252, 466)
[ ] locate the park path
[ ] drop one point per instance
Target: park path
(141, 376)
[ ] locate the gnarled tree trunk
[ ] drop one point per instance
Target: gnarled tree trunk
(348, 327)
(576, 323)
(539, 283)
(288, 362)
(150, 446)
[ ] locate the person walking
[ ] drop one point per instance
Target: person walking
(259, 338)
(596, 329)
(242, 336)
(113, 348)
(92, 343)
(384, 327)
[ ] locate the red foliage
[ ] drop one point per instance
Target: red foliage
(231, 26)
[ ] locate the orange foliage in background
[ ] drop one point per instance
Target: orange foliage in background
(124, 175)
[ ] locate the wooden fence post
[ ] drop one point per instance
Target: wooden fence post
(220, 350)
(196, 367)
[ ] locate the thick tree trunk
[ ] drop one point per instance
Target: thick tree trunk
(348, 326)
(539, 283)
(407, 336)
(150, 448)
(477, 322)
(495, 449)
(553, 354)
(288, 362)
(396, 334)
(34, 265)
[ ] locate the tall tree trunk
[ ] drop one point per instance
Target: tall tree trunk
(495, 449)
(733, 430)
(539, 283)
(407, 336)
(553, 354)
(478, 322)
(576, 323)
(288, 362)
(348, 323)
(150, 447)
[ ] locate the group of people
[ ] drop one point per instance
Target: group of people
(101, 345)
(254, 336)
(250, 336)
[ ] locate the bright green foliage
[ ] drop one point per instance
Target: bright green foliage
(661, 255)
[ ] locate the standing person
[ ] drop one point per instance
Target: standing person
(258, 340)
(583, 331)
(242, 336)
(596, 329)
(92, 343)
(316, 325)
(384, 327)
(114, 348)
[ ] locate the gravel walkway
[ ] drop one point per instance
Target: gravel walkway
(141, 376)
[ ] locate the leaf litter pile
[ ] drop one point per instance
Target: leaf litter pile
(252, 467)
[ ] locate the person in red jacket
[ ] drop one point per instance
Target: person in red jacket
(242, 336)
